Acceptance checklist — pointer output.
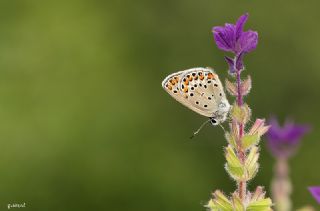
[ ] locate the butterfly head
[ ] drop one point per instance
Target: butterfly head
(221, 114)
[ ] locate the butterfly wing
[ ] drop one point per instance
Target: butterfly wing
(199, 89)
(171, 85)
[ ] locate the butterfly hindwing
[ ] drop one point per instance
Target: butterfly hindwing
(171, 85)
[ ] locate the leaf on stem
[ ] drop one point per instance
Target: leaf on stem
(233, 165)
(246, 86)
(211, 206)
(221, 201)
(251, 163)
(237, 204)
(250, 140)
(231, 140)
(259, 127)
(231, 87)
(260, 205)
(241, 113)
(258, 194)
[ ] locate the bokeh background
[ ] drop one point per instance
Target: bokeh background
(85, 124)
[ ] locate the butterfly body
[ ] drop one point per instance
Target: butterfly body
(200, 90)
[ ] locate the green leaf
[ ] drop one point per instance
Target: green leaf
(237, 204)
(250, 140)
(231, 140)
(232, 158)
(261, 205)
(241, 114)
(251, 163)
(237, 173)
(211, 206)
(234, 166)
(222, 202)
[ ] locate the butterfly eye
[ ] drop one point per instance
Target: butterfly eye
(213, 121)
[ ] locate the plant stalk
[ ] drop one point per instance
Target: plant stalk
(242, 185)
(281, 185)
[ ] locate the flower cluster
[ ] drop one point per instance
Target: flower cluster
(242, 152)
(284, 141)
(232, 38)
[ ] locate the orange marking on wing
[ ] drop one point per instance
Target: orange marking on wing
(185, 90)
(201, 77)
(169, 87)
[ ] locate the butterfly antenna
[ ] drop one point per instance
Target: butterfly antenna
(197, 131)
(222, 128)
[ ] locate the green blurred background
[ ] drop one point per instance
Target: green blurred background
(85, 124)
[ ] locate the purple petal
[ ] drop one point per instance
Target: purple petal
(294, 133)
(315, 191)
(247, 42)
(225, 37)
(239, 25)
(239, 61)
(230, 64)
(274, 132)
(284, 141)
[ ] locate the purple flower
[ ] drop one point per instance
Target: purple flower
(315, 191)
(283, 141)
(232, 38)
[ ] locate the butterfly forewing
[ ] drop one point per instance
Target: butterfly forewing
(198, 88)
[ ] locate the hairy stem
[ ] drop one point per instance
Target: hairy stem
(242, 185)
(239, 96)
(281, 185)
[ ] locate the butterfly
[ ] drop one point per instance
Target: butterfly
(200, 90)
